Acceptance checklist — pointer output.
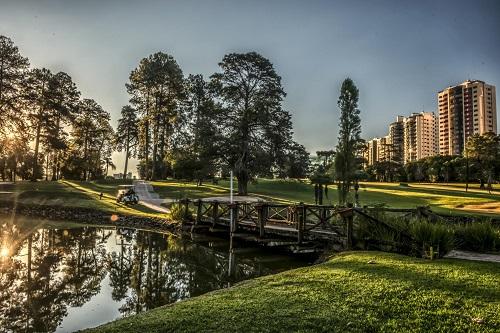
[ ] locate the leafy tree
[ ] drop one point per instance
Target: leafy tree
(127, 134)
(204, 136)
(63, 105)
(13, 69)
(297, 162)
(386, 171)
(349, 142)
(326, 157)
(157, 90)
(93, 139)
(13, 151)
(252, 120)
(39, 115)
(484, 151)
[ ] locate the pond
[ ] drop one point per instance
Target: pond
(58, 277)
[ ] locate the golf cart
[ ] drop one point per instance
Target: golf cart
(127, 195)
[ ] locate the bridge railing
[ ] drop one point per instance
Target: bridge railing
(302, 218)
(311, 221)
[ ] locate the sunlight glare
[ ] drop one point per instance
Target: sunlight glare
(4, 252)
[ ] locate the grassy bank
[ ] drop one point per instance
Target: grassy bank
(444, 198)
(347, 293)
(73, 194)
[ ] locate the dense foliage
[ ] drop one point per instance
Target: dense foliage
(479, 164)
(177, 127)
(194, 129)
(349, 141)
(47, 129)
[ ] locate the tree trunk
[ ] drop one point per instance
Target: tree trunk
(490, 181)
(35, 154)
(146, 148)
(85, 152)
(126, 159)
(15, 169)
(47, 168)
(155, 145)
(55, 165)
(241, 171)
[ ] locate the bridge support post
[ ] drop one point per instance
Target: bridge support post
(185, 203)
(301, 222)
(199, 207)
(347, 216)
(234, 220)
(215, 213)
(349, 231)
(197, 220)
(262, 212)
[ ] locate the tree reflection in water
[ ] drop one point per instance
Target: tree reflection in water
(45, 271)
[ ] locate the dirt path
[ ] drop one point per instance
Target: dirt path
(454, 254)
(149, 198)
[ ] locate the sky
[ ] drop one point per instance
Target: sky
(399, 53)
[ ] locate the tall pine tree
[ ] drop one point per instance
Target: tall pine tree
(346, 161)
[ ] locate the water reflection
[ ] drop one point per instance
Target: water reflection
(65, 279)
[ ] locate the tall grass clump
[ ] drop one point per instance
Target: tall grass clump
(431, 239)
(391, 237)
(479, 236)
(178, 212)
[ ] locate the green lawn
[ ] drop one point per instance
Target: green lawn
(70, 194)
(445, 198)
(395, 294)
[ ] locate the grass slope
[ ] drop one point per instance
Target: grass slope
(346, 293)
(70, 194)
(445, 198)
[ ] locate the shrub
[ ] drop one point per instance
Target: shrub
(431, 239)
(372, 235)
(178, 212)
(479, 236)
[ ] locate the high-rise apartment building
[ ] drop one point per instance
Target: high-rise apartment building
(383, 149)
(371, 152)
(466, 109)
(420, 136)
(396, 140)
(409, 139)
(378, 150)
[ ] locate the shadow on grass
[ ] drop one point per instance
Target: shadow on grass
(433, 190)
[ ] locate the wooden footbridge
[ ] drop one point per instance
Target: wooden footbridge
(301, 227)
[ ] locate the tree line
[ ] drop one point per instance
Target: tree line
(47, 129)
(177, 126)
(480, 163)
(195, 128)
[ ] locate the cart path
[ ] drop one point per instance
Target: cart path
(149, 198)
(454, 254)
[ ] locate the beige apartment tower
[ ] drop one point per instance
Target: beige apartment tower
(466, 109)
(420, 136)
(378, 150)
(396, 140)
